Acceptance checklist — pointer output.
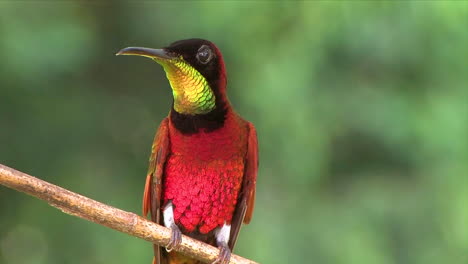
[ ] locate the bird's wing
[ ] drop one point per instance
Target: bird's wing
(245, 206)
(153, 187)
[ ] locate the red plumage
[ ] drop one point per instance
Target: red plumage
(210, 178)
(203, 174)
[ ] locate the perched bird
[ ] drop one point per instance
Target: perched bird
(203, 164)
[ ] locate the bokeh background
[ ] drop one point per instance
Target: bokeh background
(361, 110)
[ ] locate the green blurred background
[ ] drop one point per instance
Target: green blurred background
(360, 107)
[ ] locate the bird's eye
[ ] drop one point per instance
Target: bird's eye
(204, 54)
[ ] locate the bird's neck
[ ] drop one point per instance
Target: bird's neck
(191, 91)
(195, 123)
(194, 101)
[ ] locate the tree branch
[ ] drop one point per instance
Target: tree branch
(91, 210)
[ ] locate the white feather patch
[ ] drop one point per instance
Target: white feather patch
(168, 213)
(223, 233)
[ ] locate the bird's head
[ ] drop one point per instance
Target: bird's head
(196, 73)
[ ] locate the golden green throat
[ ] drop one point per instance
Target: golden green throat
(191, 91)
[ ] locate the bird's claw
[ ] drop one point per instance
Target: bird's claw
(176, 238)
(224, 255)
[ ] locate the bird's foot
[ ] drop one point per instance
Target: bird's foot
(224, 254)
(176, 238)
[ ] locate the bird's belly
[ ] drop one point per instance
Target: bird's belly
(204, 193)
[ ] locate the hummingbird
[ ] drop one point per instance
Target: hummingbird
(204, 158)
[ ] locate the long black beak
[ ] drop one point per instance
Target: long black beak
(157, 54)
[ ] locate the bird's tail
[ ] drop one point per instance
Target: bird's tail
(176, 258)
